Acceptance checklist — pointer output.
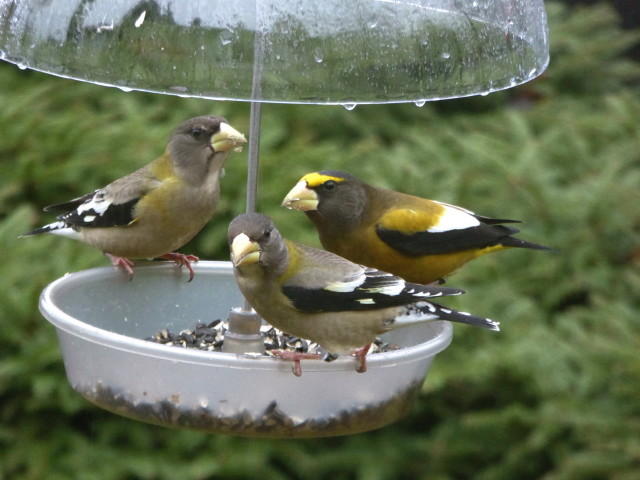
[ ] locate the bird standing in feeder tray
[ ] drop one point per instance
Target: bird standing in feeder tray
(158, 208)
(325, 298)
(418, 239)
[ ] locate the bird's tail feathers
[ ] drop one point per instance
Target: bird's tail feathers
(495, 221)
(518, 243)
(424, 311)
(55, 228)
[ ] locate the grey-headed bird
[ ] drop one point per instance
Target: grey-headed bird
(155, 210)
(325, 298)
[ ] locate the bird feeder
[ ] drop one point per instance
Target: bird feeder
(331, 52)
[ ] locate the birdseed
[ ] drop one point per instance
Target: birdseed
(210, 337)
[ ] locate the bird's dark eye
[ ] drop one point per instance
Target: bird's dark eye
(266, 234)
(329, 185)
(197, 132)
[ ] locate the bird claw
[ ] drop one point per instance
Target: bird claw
(295, 357)
(182, 260)
(361, 356)
(122, 263)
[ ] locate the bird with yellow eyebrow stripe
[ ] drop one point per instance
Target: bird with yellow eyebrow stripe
(159, 207)
(419, 239)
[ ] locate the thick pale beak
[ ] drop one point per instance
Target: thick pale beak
(301, 198)
(244, 251)
(227, 138)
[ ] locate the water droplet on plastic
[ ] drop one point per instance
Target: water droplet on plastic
(277, 57)
(513, 82)
(178, 88)
(105, 27)
(201, 47)
(532, 72)
(474, 4)
(140, 20)
(484, 94)
(349, 106)
(21, 66)
(445, 55)
(372, 25)
(174, 67)
(203, 402)
(420, 103)
(125, 89)
(317, 55)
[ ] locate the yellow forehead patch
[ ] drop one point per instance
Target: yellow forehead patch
(316, 179)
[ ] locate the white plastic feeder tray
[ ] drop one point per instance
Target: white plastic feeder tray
(102, 320)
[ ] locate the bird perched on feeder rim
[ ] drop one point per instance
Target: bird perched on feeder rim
(325, 298)
(159, 207)
(418, 239)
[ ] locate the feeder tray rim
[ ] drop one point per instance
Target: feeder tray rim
(72, 325)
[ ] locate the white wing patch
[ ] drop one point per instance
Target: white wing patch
(98, 204)
(366, 301)
(393, 288)
(429, 294)
(346, 287)
(454, 218)
(457, 207)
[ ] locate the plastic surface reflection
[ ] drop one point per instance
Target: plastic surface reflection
(333, 51)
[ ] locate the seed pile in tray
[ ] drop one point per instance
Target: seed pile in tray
(272, 421)
(210, 337)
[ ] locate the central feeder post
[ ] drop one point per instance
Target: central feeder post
(243, 334)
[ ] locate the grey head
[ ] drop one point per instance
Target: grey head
(255, 241)
(201, 144)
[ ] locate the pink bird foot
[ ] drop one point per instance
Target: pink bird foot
(182, 260)
(361, 356)
(295, 357)
(121, 263)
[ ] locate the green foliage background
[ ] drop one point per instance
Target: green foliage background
(556, 395)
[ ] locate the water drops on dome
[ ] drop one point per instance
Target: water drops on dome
(378, 52)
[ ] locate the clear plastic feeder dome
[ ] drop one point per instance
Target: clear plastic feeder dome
(307, 51)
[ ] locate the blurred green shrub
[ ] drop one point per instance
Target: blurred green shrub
(555, 395)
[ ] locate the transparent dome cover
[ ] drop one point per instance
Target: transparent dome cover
(297, 51)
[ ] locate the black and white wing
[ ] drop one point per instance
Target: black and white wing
(328, 283)
(100, 210)
(111, 206)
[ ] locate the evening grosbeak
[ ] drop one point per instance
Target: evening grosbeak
(325, 298)
(418, 239)
(158, 208)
